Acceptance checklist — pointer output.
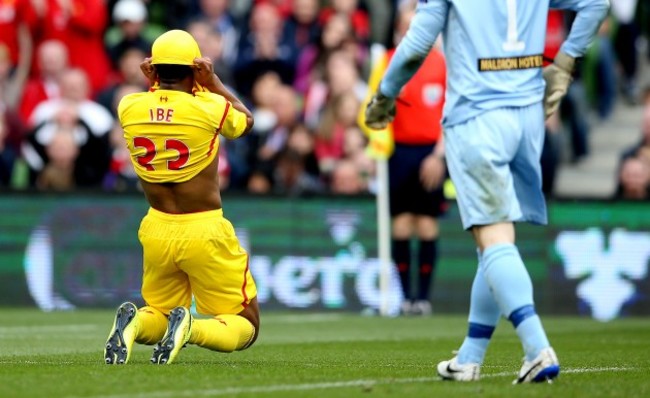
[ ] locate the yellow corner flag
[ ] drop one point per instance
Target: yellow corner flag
(380, 142)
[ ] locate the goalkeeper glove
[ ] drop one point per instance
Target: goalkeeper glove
(380, 111)
(558, 77)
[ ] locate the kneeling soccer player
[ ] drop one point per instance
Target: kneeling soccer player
(190, 249)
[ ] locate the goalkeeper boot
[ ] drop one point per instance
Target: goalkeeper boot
(545, 367)
(177, 335)
(122, 335)
(452, 370)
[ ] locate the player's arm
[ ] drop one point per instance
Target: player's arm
(427, 23)
(205, 76)
(589, 15)
(429, 19)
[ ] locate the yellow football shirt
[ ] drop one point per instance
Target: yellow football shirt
(172, 135)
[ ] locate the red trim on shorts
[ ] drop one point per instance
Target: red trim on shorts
(223, 118)
(243, 287)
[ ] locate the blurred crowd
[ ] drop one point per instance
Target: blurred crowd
(609, 74)
(300, 65)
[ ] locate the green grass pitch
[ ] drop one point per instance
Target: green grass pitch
(317, 355)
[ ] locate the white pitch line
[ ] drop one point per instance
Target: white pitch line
(302, 318)
(570, 371)
(30, 362)
(368, 383)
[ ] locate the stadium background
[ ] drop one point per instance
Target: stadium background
(60, 252)
(319, 253)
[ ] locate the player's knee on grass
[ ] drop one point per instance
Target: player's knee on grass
(223, 333)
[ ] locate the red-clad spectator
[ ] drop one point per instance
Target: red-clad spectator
(80, 25)
(51, 61)
(350, 8)
(555, 33)
(13, 13)
(88, 122)
(283, 6)
(14, 77)
(75, 89)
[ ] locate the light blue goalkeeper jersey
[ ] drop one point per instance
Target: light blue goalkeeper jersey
(493, 50)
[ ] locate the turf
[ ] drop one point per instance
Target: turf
(317, 355)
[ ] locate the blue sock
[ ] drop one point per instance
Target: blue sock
(484, 315)
(512, 289)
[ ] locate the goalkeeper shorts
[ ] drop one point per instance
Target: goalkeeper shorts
(494, 163)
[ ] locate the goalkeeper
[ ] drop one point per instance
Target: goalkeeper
(189, 248)
(497, 100)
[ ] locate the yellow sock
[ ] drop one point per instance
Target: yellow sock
(152, 325)
(224, 333)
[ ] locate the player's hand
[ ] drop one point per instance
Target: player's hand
(380, 111)
(432, 172)
(204, 71)
(148, 70)
(558, 77)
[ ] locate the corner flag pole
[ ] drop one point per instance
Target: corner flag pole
(383, 234)
(380, 147)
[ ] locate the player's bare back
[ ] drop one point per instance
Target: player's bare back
(201, 193)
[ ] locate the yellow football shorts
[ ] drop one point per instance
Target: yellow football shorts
(194, 254)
